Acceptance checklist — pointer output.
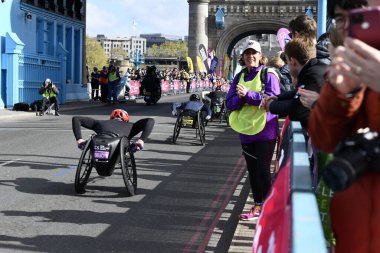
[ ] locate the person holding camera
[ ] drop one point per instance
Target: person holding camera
(349, 101)
(49, 93)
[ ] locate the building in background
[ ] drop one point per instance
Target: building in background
(39, 40)
(111, 46)
(159, 38)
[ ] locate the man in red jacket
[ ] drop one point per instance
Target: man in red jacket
(350, 100)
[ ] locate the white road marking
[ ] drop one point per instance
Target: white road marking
(12, 161)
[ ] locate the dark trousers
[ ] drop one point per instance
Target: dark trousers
(258, 156)
(104, 91)
(51, 100)
(95, 91)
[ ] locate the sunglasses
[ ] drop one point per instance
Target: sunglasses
(290, 35)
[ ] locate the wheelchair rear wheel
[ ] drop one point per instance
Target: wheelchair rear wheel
(225, 114)
(177, 128)
(201, 128)
(128, 167)
(84, 169)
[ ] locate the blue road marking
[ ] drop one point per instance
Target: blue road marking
(63, 172)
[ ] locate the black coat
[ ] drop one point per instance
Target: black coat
(289, 103)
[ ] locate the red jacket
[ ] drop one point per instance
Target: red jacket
(355, 212)
(103, 79)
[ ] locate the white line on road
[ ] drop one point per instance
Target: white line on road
(12, 161)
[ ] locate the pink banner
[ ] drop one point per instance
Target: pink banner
(165, 87)
(176, 85)
(283, 37)
(207, 84)
(201, 83)
(193, 84)
(225, 87)
(135, 88)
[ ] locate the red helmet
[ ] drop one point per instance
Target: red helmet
(121, 114)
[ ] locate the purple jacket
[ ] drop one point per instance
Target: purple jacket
(272, 88)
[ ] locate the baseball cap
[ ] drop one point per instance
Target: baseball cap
(253, 44)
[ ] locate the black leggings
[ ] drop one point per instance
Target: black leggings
(258, 156)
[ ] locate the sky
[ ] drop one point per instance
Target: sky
(114, 18)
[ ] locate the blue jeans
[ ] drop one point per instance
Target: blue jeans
(112, 91)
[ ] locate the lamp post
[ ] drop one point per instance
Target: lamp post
(136, 57)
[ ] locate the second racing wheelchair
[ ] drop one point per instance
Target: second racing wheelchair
(190, 119)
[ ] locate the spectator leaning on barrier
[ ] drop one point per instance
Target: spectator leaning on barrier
(300, 54)
(258, 129)
(350, 100)
(306, 26)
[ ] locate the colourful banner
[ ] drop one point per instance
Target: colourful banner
(165, 87)
(214, 64)
(274, 227)
(201, 83)
(200, 64)
(283, 37)
(226, 66)
(135, 88)
(190, 64)
(203, 54)
(193, 84)
(176, 85)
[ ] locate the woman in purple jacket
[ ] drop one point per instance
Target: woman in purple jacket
(258, 129)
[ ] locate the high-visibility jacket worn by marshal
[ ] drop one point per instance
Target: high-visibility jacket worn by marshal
(249, 119)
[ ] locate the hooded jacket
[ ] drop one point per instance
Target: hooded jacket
(289, 103)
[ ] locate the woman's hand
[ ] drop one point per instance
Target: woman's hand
(241, 90)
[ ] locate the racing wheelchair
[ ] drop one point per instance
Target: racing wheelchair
(218, 107)
(105, 152)
(219, 110)
(190, 119)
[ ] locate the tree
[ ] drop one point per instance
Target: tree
(174, 49)
(118, 54)
(95, 55)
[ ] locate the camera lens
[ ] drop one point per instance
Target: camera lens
(336, 176)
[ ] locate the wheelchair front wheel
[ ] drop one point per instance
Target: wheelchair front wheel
(84, 169)
(128, 167)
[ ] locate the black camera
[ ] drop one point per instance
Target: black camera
(352, 158)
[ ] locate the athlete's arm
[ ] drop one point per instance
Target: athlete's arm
(79, 121)
(143, 125)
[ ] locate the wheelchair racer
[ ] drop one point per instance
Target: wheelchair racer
(194, 104)
(216, 97)
(118, 124)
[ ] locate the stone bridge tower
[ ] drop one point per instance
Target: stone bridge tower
(242, 18)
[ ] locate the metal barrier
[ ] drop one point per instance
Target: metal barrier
(176, 87)
(307, 233)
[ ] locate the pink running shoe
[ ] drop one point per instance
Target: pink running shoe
(253, 214)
